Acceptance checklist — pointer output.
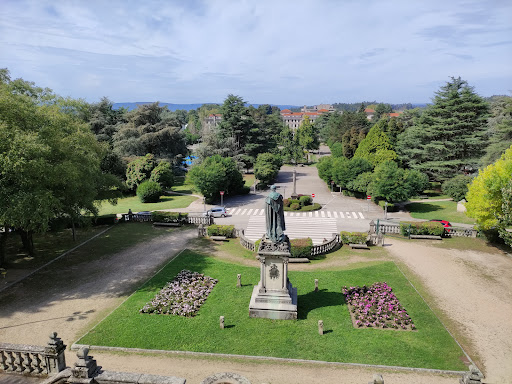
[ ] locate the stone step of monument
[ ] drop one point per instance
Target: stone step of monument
(317, 228)
(319, 214)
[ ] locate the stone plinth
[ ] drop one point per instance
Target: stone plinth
(274, 297)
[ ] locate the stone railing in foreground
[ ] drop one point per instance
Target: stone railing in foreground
(33, 360)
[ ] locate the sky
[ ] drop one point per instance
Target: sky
(266, 51)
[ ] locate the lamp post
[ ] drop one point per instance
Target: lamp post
(204, 203)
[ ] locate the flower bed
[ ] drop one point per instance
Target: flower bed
(183, 296)
(376, 306)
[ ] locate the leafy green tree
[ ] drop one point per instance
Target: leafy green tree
(324, 167)
(380, 110)
(391, 183)
(486, 197)
(307, 136)
(139, 170)
(151, 129)
(147, 168)
(267, 167)
(49, 163)
(337, 149)
(351, 140)
(448, 138)
(291, 151)
(457, 187)
(361, 182)
(506, 216)
(216, 174)
(375, 147)
(499, 129)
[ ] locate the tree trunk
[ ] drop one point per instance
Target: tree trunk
(73, 228)
(28, 242)
(3, 241)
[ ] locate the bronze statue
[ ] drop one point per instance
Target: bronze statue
(274, 216)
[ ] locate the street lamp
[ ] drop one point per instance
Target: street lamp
(204, 203)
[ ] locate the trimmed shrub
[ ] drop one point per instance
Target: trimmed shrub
(295, 206)
(301, 247)
(149, 191)
(286, 202)
(294, 201)
(457, 187)
(305, 200)
(221, 230)
(168, 217)
(312, 207)
(163, 175)
(353, 237)
(391, 207)
(431, 228)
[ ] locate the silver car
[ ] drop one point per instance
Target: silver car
(216, 212)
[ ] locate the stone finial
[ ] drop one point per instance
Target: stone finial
(316, 285)
(239, 280)
(85, 368)
(221, 322)
(320, 327)
(54, 352)
(377, 379)
(474, 376)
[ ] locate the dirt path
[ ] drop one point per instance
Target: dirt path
(474, 290)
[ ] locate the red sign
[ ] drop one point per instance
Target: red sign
(312, 195)
(221, 193)
(368, 197)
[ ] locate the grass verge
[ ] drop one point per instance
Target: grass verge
(133, 203)
(182, 185)
(443, 210)
(428, 347)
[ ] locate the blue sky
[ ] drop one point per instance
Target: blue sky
(281, 52)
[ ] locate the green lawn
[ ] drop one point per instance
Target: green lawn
(443, 210)
(133, 203)
(249, 179)
(182, 185)
(428, 347)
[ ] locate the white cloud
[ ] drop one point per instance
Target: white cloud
(301, 52)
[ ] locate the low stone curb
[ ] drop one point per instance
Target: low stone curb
(268, 358)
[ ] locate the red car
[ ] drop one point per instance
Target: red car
(445, 223)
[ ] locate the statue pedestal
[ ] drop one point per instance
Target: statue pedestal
(274, 297)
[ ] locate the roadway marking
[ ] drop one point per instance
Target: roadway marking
(342, 215)
(316, 213)
(355, 215)
(250, 211)
(348, 215)
(335, 214)
(243, 212)
(361, 214)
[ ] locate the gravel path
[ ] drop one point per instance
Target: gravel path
(473, 289)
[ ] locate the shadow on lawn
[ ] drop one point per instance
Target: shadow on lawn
(313, 300)
(423, 207)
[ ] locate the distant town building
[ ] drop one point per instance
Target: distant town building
(212, 121)
(294, 119)
(369, 113)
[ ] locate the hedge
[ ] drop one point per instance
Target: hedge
(432, 228)
(295, 206)
(301, 247)
(353, 237)
(105, 220)
(307, 208)
(168, 217)
(149, 191)
(305, 200)
(221, 230)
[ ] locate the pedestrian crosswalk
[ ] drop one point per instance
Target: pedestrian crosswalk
(320, 214)
(297, 227)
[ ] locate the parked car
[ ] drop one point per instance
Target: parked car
(216, 212)
(446, 224)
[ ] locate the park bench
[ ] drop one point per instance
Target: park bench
(427, 237)
(173, 224)
(358, 246)
(219, 238)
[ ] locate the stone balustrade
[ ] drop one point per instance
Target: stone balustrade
(33, 360)
(327, 246)
(386, 228)
(246, 243)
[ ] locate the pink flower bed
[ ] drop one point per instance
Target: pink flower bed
(183, 296)
(376, 306)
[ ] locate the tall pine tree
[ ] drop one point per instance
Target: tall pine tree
(448, 138)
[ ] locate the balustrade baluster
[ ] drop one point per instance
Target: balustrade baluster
(27, 362)
(10, 362)
(36, 363)
(18, 361)
(3, 361)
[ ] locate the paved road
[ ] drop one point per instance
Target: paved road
(348, 213)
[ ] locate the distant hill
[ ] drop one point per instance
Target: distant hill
(187, 107)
